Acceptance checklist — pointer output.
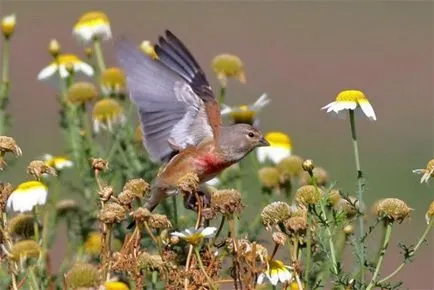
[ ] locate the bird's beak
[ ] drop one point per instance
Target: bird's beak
(263, 142)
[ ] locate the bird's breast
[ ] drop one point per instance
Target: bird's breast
(210, 163)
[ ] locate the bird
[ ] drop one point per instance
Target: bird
(180, 116)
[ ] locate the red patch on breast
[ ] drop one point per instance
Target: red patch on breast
(211, 163)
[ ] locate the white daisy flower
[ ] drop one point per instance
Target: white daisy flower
(91, 25)
(107, 113)
(60, 65)
(195, 236)
(8, 24)
(280, 147)
(276, 272)
(351, 100)
(427, 173)
(148, 48)
(58, 162)
(246, 113)
(27, 195)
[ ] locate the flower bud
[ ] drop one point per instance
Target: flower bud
(99, 164)
(82, 275)
(308, 165)
(430, 213)
(269, 177)
(8, 24)
(54, 48)
(291, 165)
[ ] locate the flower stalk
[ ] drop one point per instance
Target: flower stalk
(4, 88)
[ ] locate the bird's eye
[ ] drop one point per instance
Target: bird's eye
(251, 135)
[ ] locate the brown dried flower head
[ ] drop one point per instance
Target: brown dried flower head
(22, 225)
(6, 190)
(308, 195)
(275, 213)
(82, 275)
(25, 249)
(308, 165)
(226, 202)
(82, 92)
(291, 166)
(105, 193)
(126, 197)
(269, 177)
(99, 164)
(150, 262)
(8, 144)
(188, 183)
(141, 214)
(392, 209)
(296, 224)
(430, 212)
(320, 174)
(112, 213)
(333, 197)
(279, 238)
(159, 221)
(37, 168)
(138, 186)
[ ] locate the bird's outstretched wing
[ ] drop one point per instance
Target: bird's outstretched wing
(175, 102)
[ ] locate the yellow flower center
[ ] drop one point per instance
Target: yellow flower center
(82, 92)
(30, 185)
(92, 19)
(92, 245)
(279, 139)
(194, 238)
(276, 265)
(351, 96)
(56, 161)
(227, 64)
(65, 59)
(106, 109)
(115, 285)
(114, 78)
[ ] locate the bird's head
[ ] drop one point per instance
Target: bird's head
(238, 140)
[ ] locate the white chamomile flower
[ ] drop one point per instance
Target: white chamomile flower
(107, 113)
(195, 236)
(27, 195)
(427, 173)
(92, 25)
(58, 162)
(246, 113)
(276, 272)
(60, 65)
(280, 147)
(351, 100)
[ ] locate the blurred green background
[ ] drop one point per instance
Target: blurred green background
(302, 54)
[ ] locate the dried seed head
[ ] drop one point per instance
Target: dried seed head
(82, 92)
(99, 164)
(291, 165)
(22, 225)
(6, 190)
(82, 275)
(37, 168)
(138, 186)
(66, 206)
(25, 249)
(141, 214)
(308, 195)
(112, 213)
(159, 221)
(275, 213)
(269, 177)
(188, 183)
(334, 197)
(8, 144)
(126, 197)
(227, 202)
(348, 229)
(392, 209)
(296, 224)
(308, 165)
(430, 212)
(320, 175)
(279, 238)
(350, 207)
(105, 193)
(54, 48)
(150, 262)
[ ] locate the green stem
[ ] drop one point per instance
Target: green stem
(4, 89)
(33, 281)
(202, 268)
(222, 95)
(99, 55)
(359, 191)
(385, 244)
(5, 61)
(419, 243)
(175, 211)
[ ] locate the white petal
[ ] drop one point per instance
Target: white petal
(327, 106)
(261, 102)
(178, 234)
(225, 110)
(275, 154)
(86, 69)
(418, 171)
(284, 275)
(209, 231)
(63, 72)
(260, 278)
(47, 72)
(274, 279)
(213, 182)
(368, 110)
